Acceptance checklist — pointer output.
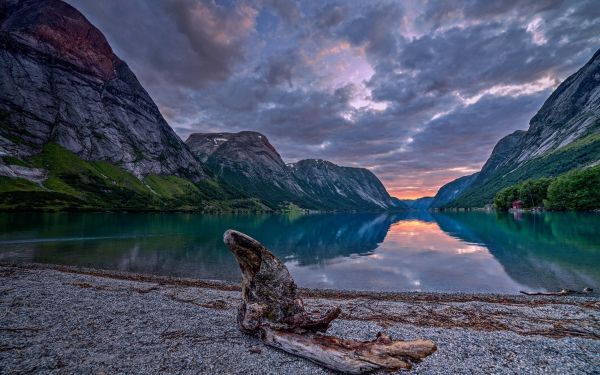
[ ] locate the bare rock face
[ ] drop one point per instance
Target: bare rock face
(333, 186)
(62, 83)
(248, 161)
(569, 113)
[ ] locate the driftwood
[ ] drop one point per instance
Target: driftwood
(272, 311)
(562, 292)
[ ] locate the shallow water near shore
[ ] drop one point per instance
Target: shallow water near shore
(413, 251)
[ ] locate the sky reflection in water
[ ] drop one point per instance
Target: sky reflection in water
(467, 252)
(416, 256)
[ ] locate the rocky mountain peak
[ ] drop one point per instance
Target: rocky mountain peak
(571, 112)
(63, 84)
(205, 144)
(58, 29)
(503, 151)
(247, 152)
(248, 161)
(578, 93)
(329, 183)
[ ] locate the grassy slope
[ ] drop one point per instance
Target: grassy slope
(575, 155)
(77, 184)
(276, 198)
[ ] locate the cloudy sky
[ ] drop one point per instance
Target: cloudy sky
(417, 91)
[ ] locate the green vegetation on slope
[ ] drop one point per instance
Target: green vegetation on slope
(578, 154)
(274, 197)
(14, 161)
(74, 183)
(577, 190)
(17, 184)
(531, 192)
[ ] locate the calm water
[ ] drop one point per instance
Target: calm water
(469, 252)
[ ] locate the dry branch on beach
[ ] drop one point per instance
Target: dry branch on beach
(272, 311)
(562, 292)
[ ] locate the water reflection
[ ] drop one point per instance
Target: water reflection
(541, 251)
(470, 252)
(415, 256)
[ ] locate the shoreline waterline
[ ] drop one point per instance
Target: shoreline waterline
(324, 293)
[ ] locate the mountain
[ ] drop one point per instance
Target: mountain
(333, 186)
(77, 128)
(248, 162)
(63, 84)
(418, 204)
(563, 135)
(399, 204)
(452, 190)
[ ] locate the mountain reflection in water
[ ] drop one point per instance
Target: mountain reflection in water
(413, 251)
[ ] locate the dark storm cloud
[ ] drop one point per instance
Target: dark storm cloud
(288, 10)
(175, 42)
(214, 33)
(437, 13)
(280, 69)
(417, 91)
(331, 15)
(375, 29)
(472, 130)
(498, 54)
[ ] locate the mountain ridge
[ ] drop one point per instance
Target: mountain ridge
(563, 135)
(248, 160)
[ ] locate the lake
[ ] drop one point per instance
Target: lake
(413, 251)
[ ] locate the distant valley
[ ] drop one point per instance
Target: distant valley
(419, 204)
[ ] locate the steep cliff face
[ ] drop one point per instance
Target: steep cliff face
(61, 83)
(563, 135)
(452, 190)
(248, 162)
(333, 186)
(502, 154)
(571, 112)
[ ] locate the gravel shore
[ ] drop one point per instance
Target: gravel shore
(64, 320)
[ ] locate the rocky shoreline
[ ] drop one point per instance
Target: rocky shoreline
(57, 319)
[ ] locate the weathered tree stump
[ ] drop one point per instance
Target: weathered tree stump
(272, 311)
